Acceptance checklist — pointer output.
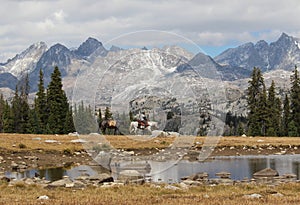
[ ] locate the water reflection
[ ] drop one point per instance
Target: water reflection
(53, 174)
(240, 167)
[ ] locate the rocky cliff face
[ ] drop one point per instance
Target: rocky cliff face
(281, 54)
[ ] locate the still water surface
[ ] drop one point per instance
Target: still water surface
(240, 167)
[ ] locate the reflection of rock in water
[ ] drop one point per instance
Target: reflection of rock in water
(130, 171)
(141, 167)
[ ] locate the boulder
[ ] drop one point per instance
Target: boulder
(131, 176)
(267, 172)
(61, 183)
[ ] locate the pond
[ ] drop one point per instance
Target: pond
(240, 167)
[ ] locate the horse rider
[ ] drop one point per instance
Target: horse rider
(143, 121)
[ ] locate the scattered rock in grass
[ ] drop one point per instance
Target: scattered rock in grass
(171, 187)
(43, 197)
(253, 196)
(51, 141)
(277, 194)
(75, 134)
(206, 196)
(260, 140)
(79, 141)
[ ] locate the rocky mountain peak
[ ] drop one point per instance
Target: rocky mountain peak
(279, 54)
(262, 44)
(24, 62)
(88, 47)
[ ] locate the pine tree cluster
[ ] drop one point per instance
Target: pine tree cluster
(268, 114)
(50, 113)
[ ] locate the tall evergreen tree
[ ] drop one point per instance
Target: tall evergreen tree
(256, 99)
(295, 101)
(273, 112)
(69, 123)
(85, 120)
(8, 121)
(24, 106)
(40, 105)
(57, 104)
(285, 116)
(15, 113)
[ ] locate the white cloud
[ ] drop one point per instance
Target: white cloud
(207, 22)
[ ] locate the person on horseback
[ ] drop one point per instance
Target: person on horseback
(143, 121)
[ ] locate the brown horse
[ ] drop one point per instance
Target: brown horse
(110, 124)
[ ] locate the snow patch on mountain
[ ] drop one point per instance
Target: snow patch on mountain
(26, 61)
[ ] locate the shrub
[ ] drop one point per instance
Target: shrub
(22, 146)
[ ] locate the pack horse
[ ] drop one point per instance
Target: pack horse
(110, 124)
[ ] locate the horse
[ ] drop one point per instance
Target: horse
(109, 124)
(134, 126)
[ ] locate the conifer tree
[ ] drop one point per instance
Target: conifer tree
(295, 101)
(285, 116)
(15, 113)
(8, 123)
(273, 112)
(35, 124)
(257, 102)
(57, 104)
(69, 123)
(40, 105)
(24, 106)
(84, 120)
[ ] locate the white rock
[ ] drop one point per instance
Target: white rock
(260, 140)
(73, 134)
(253, 196)
(172, 187)
(43, 197)
(206, 196)
(79, 141)
(51, 141)
(278, 195)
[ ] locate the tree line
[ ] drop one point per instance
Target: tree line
(49, 114)
(268, 113)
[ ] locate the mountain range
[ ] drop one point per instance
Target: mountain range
(126, 77)
(171, 62)
(232, 64)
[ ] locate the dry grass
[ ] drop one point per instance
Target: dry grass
(31, 142)
(259, 141)
(147, 194)
(37, 142)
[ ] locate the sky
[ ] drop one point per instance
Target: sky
(208, 25)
